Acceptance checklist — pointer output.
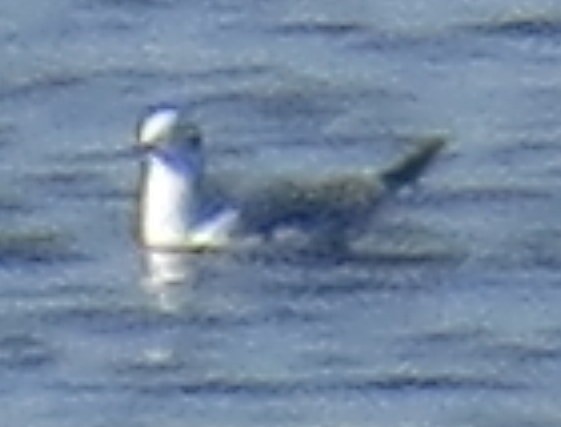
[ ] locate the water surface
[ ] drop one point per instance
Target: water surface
(446, 315)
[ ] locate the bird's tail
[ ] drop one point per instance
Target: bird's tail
(410, 167)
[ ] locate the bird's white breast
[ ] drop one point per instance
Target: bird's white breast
(167, 204)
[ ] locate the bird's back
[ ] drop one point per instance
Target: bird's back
(310, 203)
(332, 202)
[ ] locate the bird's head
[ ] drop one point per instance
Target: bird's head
(168, 128)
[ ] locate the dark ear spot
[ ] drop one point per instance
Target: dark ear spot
(196, 140)
(192, 133)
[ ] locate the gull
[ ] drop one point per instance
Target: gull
(174, 213)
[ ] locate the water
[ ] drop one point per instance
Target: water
(448, 315)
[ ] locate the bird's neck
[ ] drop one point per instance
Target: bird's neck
(168, 198)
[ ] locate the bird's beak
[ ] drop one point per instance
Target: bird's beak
(142, 149)
(134, 152)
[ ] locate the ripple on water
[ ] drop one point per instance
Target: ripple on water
(331, 29)
(536, 246)
(35, 245)
(11, 204)
(520, 26)
(77, 184)
(147, 4)
(24, 351)
(287, 386)
(7, 134)
(43, 83)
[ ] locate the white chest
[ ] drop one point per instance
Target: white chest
(167, 204)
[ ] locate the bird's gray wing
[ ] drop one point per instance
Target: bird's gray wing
(328, 203)
(311, 203)
(343, 199)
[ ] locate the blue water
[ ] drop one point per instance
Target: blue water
(449, 315)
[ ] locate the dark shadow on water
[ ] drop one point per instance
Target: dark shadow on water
(390, 247)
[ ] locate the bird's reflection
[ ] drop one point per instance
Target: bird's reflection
(169, 277)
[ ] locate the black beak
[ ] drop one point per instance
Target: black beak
(134, 152)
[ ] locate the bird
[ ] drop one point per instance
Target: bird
(174, 213)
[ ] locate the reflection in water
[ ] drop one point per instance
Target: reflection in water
(168, 276)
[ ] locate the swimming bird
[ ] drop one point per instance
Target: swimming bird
(173, 213)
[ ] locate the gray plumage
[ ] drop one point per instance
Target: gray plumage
(331, 206)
